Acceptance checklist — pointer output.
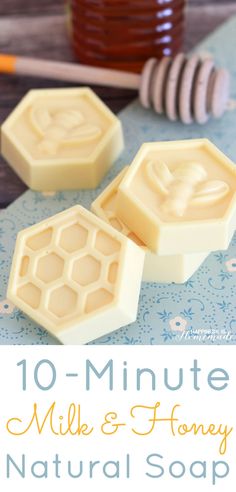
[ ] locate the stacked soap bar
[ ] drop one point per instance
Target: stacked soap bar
(157, 268)
(177, 200)
(58, 139)
(76, 276)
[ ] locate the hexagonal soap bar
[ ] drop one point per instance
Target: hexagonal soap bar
(157, 268)
(57, 139)
(180, 197)
(76, 276)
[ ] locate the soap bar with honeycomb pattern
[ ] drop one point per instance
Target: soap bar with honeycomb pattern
(61, 139)
(76, 276)
(180, 197)
(157, 268)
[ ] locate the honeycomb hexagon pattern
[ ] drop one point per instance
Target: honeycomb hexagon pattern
(61, 139)
(180, 197)
(76, 276)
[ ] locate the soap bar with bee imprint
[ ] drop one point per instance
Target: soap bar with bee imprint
(180, 197)
(157, 268)
(76, 276)
(58, 139)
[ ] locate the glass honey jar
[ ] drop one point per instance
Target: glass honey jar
(123, 34)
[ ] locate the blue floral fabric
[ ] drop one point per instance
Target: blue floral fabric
(201, 311)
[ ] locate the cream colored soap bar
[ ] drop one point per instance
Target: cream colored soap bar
(76, 276)
(180, 197)
(157, 268)
(57, 139)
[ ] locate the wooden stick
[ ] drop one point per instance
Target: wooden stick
(68, 72)
(185, 88)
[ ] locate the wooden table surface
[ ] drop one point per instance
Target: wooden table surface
(37, 28)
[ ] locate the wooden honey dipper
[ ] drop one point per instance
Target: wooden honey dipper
(185, 88)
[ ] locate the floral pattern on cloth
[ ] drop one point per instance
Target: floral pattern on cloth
(6, 307)
(231, 265)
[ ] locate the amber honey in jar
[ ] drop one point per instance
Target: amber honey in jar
(123, 34)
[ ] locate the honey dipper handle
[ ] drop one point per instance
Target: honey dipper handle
(71, 72)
